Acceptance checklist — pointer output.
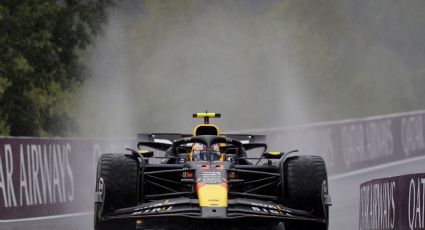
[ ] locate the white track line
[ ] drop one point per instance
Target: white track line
(47, 217)
(377, 167)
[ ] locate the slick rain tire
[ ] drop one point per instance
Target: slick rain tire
(120, 178)
(304, 176)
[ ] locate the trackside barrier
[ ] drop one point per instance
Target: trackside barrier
(393, 203)
(42, 177)
(355, 144)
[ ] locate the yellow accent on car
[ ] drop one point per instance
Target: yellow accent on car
(202, 115)
(144, 151)
(275, 153)
(212, 195)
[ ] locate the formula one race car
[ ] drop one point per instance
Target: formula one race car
(208, 180)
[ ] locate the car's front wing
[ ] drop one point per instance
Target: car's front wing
(237, 209)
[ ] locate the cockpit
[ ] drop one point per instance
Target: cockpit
(201, 152)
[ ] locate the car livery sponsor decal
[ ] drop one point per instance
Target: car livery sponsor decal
(266, 208)
(154, 208)
(212, 177)
(211, 185)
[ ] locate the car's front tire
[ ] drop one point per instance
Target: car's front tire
(119, 176)
(304, 178)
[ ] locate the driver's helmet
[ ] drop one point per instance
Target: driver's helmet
(199, 152)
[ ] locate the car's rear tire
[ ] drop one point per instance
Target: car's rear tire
(119, 176)
(304, 178)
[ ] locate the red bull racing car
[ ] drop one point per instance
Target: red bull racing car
(208, 179)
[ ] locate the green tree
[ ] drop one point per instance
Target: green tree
(40, 67)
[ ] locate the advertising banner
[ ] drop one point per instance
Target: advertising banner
(355, 144)
(42, 177)
(393, 203)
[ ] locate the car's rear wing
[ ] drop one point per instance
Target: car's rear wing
(244, 138)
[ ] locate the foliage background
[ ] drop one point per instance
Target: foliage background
(40, 64)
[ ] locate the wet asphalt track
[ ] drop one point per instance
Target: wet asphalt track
(344, 190)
